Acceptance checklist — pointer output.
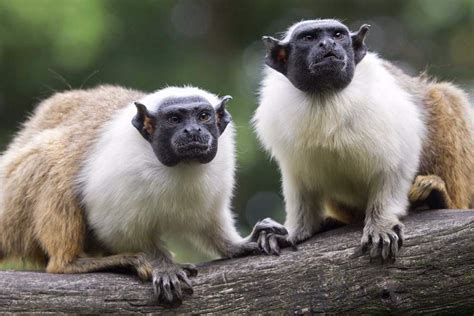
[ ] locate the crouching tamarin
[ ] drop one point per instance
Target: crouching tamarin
(114, 171)
(358, 139)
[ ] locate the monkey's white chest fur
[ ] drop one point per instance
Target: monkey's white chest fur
(342, 146)
(132, 200)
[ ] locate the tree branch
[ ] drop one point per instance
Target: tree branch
(433, 274)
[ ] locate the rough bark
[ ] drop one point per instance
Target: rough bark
(433, 274)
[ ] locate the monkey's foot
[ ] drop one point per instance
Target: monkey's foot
(142, 266)
(431, 191)
(382, 240)
(171, 281)
(271, 243)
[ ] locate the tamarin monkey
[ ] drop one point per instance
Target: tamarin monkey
(356, 138)
(115, 170)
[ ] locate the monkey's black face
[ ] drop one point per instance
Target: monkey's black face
(318, 56)
(184, 129)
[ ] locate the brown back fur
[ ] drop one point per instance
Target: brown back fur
(449, 149)
(38, 170)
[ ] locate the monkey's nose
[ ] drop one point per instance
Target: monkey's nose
(325, 43)
(192, 131)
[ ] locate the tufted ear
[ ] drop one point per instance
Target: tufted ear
(144, 121)
(276, 54)
(223, 117)
(358, 45)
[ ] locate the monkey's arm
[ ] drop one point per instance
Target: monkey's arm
(304, 209)
(223, 239)
(305, 216)
(383, 231)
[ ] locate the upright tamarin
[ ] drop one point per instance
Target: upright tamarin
(114, 170)
(357, 138)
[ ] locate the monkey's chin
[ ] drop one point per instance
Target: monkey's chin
(197, 158)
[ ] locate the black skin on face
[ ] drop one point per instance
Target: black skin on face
(184, 129)
(319, 57)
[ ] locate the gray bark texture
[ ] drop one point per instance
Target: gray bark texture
(434, 274)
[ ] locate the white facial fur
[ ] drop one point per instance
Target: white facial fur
(359, 147)
(132, 200)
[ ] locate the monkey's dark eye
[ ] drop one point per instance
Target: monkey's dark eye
(308, 37)
(174, 119)
(338, 35)
(204, 116)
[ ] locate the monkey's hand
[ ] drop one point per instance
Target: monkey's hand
(271, 236)
(382, 240)
(267, 237)
(171, 280)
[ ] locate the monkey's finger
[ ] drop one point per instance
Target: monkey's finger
(376, 247)
(393, 244)
(385, 240)
(280, 230)
(176, 283)
(398, 229)
(190, 269)
(285, 241)
(184, 278)
(276, 227)
(366, 242)
(157, 286)
(274, 247)
(166, 287)
(293, 245)
(263, 243)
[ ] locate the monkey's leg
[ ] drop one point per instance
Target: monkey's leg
(170, 280)
(430, 190)
(115, 263)
(61, 230)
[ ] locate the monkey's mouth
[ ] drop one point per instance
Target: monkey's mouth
(330, 54)
(328, 60)
(192, 148)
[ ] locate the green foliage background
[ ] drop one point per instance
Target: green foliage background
(53, 45)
